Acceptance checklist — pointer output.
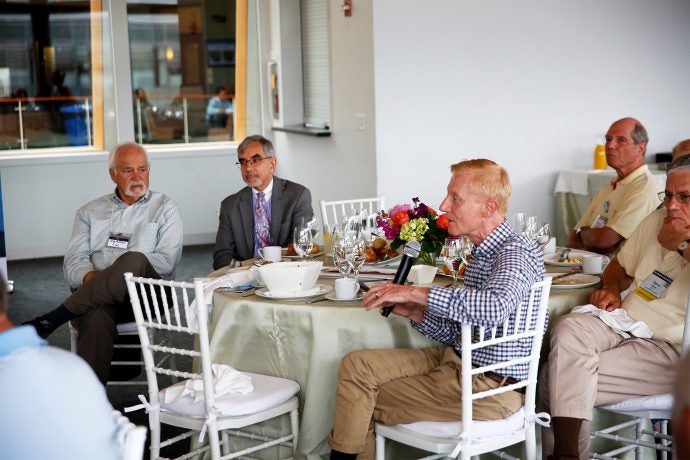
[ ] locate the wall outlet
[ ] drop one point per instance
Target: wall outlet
(360, 121)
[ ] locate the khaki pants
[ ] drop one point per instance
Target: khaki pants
(403, 386)
(590, 365)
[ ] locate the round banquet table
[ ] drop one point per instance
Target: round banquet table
(306, 341)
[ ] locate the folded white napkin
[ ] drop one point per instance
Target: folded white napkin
(618, 320)
(573, 181)
(225, 380)
(233, 279)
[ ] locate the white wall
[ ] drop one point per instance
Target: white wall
(344, 164)
(528, 84)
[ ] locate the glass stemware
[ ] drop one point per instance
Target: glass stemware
(454, 251)
(358, 253)
(340, 253)
(303, 239)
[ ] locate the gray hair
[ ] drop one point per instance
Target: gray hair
(265, 143)
(680, 163)
(639, 133)
(124, 146)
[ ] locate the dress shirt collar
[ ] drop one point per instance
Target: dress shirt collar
(268, 191)
(118, 200)
(19, 337)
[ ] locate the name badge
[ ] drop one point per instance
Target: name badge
(654, 286)
(118, 240)
(600, 221)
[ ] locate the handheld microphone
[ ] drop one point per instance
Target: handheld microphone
(411, 251)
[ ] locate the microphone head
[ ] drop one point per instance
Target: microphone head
(412, 249)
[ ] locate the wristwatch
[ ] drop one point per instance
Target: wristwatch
(682, 246)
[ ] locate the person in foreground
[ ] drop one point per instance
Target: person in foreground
(52, 404)
(681, 410)
(620, 206)
(589, 363)
(133, 230)
(262, 214)
(406, 385)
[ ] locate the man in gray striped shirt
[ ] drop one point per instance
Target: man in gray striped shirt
(133, 230)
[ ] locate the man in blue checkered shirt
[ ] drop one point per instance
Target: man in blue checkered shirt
(407, 385)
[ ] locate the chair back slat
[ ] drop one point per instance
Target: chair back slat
(188, 297)
(525, 328)
(332, 212)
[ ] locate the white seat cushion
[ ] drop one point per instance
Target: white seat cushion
(480, 428)
(268, 392)
(654, 402)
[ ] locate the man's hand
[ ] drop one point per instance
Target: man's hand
(605, 299)
(614, 280)
(409, 301)
(672, 232)
(89, 275)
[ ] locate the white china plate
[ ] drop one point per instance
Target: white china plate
(331, 296)
(552, 259)
(310, 256)
(574, 281)
(319, 289)
(442, 273)
(394, 261)
(365, 274)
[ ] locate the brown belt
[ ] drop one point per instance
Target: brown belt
(504, 381)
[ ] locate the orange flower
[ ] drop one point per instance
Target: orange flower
(442, 222)
(431, 211)
(400, 218)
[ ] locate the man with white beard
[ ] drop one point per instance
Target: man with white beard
(133, 230)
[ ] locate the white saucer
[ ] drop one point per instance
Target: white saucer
(331, 296)
(317, 290)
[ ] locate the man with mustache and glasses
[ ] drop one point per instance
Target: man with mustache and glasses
(589, 363)
(133, 230)
(262, 214)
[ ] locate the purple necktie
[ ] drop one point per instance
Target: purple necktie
(261, 230)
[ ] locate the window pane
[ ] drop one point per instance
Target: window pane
(183, 70)
(45, 75)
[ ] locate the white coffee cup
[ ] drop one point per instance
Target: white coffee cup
(271, 253)
(592, 264)
(422, 274)
(345, 288)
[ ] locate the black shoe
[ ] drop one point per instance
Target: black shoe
(43, 327)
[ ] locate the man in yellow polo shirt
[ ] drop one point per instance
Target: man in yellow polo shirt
(620, 206)
(589, 363)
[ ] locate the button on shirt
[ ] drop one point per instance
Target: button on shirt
(154, 223)
(499, 276)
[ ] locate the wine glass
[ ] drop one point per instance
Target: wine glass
(357, 245)
(340, 252)
(303, 239)
(454, 251)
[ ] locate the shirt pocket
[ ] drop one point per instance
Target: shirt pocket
(100, 231)
(145, 238)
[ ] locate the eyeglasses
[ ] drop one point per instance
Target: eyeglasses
(253, 161)
(682, 198)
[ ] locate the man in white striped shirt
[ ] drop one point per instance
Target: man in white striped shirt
(133, 230)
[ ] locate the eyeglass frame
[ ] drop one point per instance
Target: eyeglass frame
(253, 161)
(666, 197)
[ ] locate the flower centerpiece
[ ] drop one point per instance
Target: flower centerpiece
(417, 222)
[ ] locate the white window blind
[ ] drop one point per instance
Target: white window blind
(316, 79)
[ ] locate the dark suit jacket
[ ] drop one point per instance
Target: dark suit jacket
(235, 237)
